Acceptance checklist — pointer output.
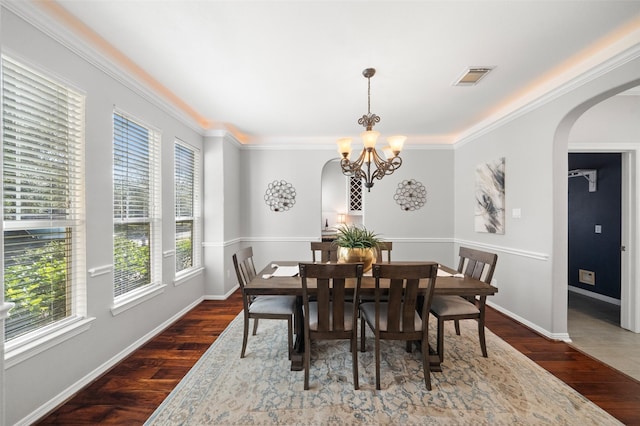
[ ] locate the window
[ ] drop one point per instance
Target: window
(187, 206)
(43, 207)
(355, 195)
(136, 206)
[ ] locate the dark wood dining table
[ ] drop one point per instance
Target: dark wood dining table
(266, 284)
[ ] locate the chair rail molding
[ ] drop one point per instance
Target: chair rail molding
(100, 270)
(5, 307)
(507, 250)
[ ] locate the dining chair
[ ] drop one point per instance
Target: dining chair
(405, 314)
(256, 307)
(328, 315)
(328, 251)
(384, 246)
(476, 264)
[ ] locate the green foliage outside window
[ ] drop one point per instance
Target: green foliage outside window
(183, 255)
(131, 264)
(36, 282)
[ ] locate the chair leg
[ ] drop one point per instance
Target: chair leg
(425, 363)
(440, 345)
(362, 332)
(377, 362)
(307, 362)
(457, 324)
(245, 335)
(255, 326)
(290, 336)
(483, 343)
(354, 354)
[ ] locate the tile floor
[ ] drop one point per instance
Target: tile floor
(594, 328)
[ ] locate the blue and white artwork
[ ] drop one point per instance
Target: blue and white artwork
(489, 206)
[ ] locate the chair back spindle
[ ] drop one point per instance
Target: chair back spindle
(328, 251)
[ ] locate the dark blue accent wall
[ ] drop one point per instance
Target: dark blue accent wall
(587, 250)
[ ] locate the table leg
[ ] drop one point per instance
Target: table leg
(297, 357)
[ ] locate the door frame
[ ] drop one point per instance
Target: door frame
(629, 312)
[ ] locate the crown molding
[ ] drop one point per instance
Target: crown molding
(50, 26)
(492, 123)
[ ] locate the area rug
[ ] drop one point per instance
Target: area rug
(504, 389)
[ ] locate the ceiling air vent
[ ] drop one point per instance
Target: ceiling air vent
(472, 76)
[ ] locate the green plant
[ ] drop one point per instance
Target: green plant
(354, 237)
(36, 281)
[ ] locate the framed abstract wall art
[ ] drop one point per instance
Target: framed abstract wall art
(489, 203)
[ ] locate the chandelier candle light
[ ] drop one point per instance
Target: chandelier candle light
(362, 167)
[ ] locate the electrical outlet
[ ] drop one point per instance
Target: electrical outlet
(586, 277)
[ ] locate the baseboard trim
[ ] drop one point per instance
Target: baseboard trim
(553, 336)
(223, 297)
(594, 295)
(69, 392)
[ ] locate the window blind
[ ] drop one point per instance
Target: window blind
(187, 184)
(136, 196)
(43, 199)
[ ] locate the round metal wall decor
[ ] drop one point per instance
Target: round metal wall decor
(411, 195)
(280, 196)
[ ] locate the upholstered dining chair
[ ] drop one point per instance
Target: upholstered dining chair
(404, 315)
(328, 251)
(328, 314)
(256, 307)
(386, 247)
(476, 264)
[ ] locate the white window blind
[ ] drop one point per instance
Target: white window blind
(43, 199)
(187, 206)
(136, 197)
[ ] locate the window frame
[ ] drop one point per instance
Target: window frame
(141, 293)
(75, 321)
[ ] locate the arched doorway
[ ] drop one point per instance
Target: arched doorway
(630, 221)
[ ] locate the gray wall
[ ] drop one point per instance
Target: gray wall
(423, 234)
(77, 360)
(532, 267)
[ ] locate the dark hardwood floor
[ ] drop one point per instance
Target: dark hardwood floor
(130, 392)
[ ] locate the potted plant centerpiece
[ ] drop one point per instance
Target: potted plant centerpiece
(357, 245)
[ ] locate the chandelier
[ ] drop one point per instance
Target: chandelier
(370, 165)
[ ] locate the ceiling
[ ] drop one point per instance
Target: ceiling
(291, 71)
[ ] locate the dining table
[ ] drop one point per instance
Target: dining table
(279, 277)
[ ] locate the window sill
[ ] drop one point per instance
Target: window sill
(25, 347)
(136, 297)
(183, 276)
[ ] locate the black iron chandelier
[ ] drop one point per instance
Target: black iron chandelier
(370, 165)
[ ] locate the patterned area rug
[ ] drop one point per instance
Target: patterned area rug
(505, 388)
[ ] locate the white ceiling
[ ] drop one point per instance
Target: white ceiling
(286, 71)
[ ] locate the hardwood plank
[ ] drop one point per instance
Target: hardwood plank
(132, 390)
